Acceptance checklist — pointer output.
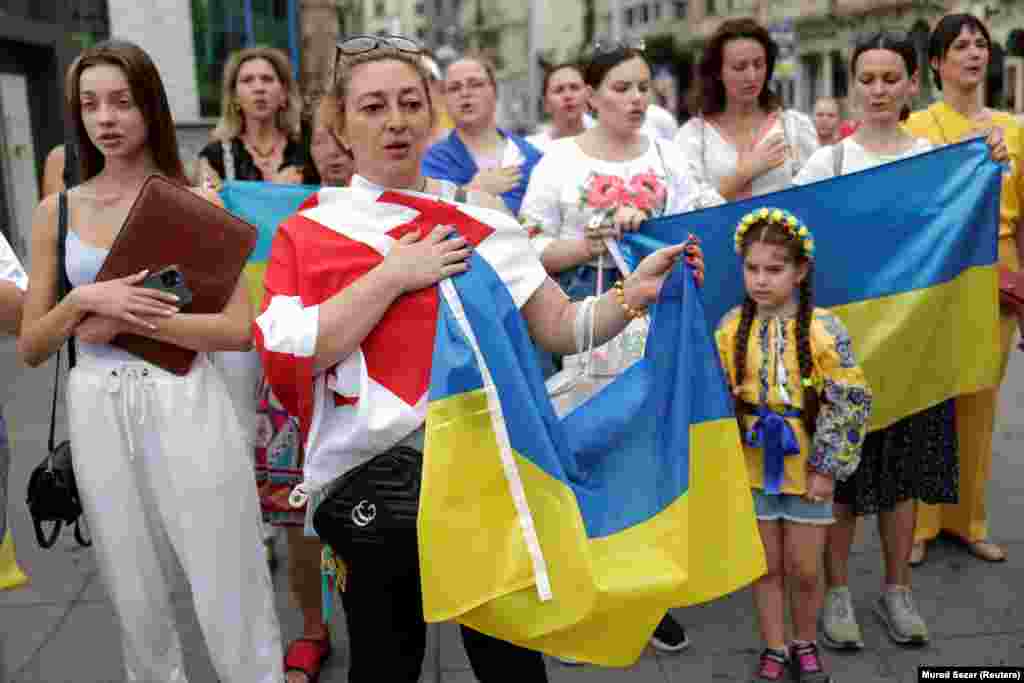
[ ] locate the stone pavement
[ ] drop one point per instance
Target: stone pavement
(60, 628)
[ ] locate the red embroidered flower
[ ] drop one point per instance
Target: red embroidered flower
(605, 191)
(646, 191)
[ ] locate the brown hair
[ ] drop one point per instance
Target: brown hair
(338, 92)
(709, 94)
(552, 70)
(322, 111)
(600, 63)
(148, 94)
(231, 123)
(946, 32)
(769, 233)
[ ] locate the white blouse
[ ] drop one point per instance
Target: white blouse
(854, 158)
(710, 157)
(562, 198)
(10, 266)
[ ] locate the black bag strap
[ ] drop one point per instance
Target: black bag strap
(46, 542)
(63, 287)
(82, 541)
(71, 168)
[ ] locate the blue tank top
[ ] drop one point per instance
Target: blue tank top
(83, 263)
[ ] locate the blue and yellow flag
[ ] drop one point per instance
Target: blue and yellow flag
(906, 255)
(265, 205)
(573, 537)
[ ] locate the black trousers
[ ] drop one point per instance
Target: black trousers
(387, 633)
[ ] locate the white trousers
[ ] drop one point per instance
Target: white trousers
(162, 466)
(242, 372)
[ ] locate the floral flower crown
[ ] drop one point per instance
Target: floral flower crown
(779, 217)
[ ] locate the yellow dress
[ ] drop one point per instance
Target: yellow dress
(772, 379)
(975, 413)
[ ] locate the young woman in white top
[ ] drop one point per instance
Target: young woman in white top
(161, 462)
(609, 179)
(741, 142)
(565, 102)
(915, 458)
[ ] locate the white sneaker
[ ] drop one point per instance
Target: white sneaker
(895, 607)
(839, 627)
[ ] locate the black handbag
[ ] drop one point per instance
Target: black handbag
(373, 504)
(52, 493)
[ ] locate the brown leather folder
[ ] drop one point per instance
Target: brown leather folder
(170, 225)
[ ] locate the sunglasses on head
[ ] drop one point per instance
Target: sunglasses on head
(608, 47)
(357, 45)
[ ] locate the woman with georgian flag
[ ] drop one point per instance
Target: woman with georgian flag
(348, 324)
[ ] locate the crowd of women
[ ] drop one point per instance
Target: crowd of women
(165, 462)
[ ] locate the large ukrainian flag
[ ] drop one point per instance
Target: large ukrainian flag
(906, 256)
(265, 205)
(574, 537)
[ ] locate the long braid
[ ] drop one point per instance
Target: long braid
(804, 315)
(740, 351)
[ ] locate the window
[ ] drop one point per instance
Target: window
(644, 13)
(840, 84)
(220, 28)
(88, 22)
(420, 8)
(629, 17)
(657, 11)
(681, 8)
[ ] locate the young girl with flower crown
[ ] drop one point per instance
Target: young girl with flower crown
(802, 404)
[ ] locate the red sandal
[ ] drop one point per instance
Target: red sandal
(307, 656)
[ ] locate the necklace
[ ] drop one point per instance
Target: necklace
(259, 152)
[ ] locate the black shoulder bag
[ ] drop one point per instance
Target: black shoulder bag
(52, 493)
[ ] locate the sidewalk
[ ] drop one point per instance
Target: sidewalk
(61, 628)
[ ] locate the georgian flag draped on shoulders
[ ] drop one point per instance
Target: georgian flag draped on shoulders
(378, 395)
(525, 519)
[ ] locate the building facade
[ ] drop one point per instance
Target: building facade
(397, 17)
(821, 36)
(38, 41)
(502, 31)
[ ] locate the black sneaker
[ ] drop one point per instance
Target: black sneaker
(670, 636)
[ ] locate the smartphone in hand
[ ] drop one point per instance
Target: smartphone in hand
(170, 280)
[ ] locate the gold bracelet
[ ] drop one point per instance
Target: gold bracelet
(620, 295)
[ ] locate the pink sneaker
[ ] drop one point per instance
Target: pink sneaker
(807, 666)
(771, 666)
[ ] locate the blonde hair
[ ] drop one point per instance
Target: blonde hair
(337, 94)
(231, 124)
(483, 60)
